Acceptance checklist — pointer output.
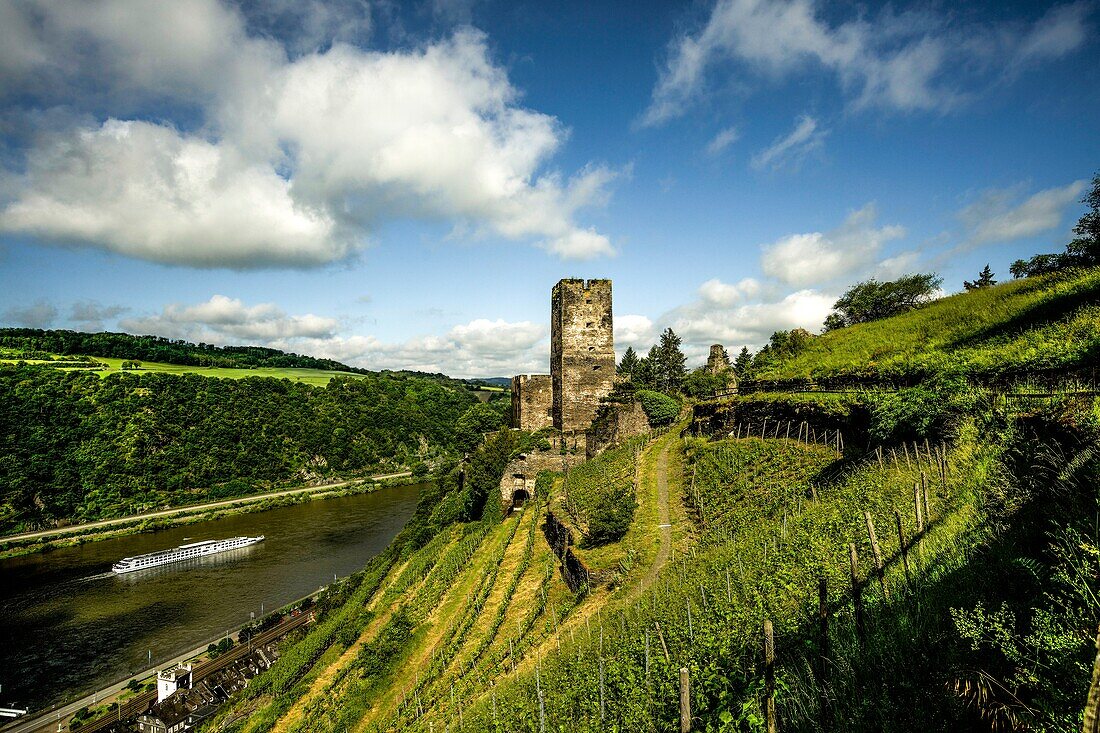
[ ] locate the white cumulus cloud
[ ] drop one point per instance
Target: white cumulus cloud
(225, 320)
(816, 257)
(634, 330)
(147, 191)
(299, 156)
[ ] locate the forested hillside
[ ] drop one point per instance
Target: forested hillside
(79, 446)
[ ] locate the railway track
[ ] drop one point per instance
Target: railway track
(142, 702)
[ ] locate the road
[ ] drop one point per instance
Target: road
(48, 720)
(191, 509)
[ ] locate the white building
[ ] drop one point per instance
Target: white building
(172, 679)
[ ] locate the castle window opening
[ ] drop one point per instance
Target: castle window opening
(596, 368)
(519, 498)
(588, 325)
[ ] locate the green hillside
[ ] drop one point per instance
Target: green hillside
(79, 445)
(980, 512)
(1051, 322)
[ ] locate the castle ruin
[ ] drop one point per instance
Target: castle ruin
(582, 351)
(532, 402)
(718, 360)
(582, 373)
(582, 361)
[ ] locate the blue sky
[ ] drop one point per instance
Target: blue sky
(399, 185)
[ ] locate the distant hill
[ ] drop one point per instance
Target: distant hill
(33, 342)
(505, 382)
(159, 349)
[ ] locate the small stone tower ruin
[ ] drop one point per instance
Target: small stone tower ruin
(582, 351)
(718, 360)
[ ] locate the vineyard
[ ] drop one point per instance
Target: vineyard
(784, 582)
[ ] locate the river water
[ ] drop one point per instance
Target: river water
(70, 626)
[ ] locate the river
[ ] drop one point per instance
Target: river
(70, 626)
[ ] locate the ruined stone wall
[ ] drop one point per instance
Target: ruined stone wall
(560, 539)
(615, 423)
(582, 350)
(532, 402)
(525, 469)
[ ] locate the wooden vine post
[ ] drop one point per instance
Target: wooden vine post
(1092, 706)
(877, 552)
(917, 504)
(769, 677)
(685, 701)
(857, 594)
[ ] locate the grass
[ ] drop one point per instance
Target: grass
(1044, 322)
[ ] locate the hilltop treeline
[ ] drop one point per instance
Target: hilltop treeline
(159, 349)
(78, 446)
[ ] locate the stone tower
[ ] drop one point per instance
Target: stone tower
(718, 360)
(582, 350)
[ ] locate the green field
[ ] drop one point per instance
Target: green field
(317, 377)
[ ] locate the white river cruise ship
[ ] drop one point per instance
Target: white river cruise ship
(183, 552)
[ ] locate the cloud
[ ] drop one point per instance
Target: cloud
(908, 62)
(224, 320)
(705, 322)
(789, 149)
(289, 157)
(635, 331)
(87, 315)
(147, 191)
(814, 257)
(719, 293)
(723, 140)
(39, 315)
(1057, 33)
(999, 216)
(478, 348)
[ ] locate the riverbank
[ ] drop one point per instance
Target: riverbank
(50, 539)
(101, 701)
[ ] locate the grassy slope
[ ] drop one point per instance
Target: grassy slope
(1036, 323)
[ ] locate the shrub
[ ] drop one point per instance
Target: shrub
(660, 409)
(600, 495)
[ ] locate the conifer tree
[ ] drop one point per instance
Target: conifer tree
(743, 362)
(629, 363)
(985, 280)
(671, 363)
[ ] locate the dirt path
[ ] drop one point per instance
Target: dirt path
(191, 509)
(664, 524)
